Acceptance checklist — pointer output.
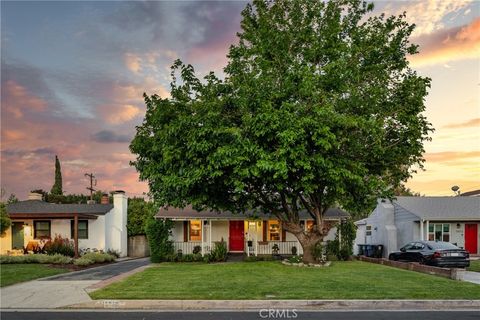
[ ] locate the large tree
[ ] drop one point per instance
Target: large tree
(57, 188)
(319, 108)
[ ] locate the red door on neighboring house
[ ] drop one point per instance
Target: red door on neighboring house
(471, 237)
(236, 237)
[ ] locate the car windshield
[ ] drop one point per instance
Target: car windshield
(442, 245)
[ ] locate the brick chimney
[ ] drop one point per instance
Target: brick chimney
(105, 199)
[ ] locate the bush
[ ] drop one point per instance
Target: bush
(219, 252)
(59, 245)
(197, 249)
(83, 262)
(319, 251)
(99, 257)
(158, 233)
(114, 253)
(295, 259)
(36, 258)
(5, 221)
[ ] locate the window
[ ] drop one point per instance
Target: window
(195, 233)
(82, 229)
(41, 229)
(310, 225)
(368, 230)
(439, 232)
(273, 230)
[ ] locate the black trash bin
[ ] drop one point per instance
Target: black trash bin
(378, 253)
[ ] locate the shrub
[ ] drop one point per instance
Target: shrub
(99, 257)
(83, 262)
(59, 245)
(197, 249)
(5, 221)
(197, 257)
(158, 233)
(319, 251)
(187, 258)
(36, 258)
(114, 253)
(219, 252)
(295, 259)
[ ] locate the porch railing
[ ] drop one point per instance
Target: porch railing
(187, 247)
(267, 248)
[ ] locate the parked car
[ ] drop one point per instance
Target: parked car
(434, 253)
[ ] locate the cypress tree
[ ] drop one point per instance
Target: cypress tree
(57, 186)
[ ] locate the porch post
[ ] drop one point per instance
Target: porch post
(421, 230)
(428, 227)
(203, 236)
(210, 233)
(75, 234)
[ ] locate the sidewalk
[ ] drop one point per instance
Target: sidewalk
(66, 289)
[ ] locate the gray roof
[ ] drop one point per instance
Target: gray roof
(190, 213)
(42, 207)
(441, 208)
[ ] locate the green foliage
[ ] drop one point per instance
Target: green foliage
(97, 257)
(258, 258)
(70, 198)
(158, 232)
(219, 252)
(57, 186)
(319, 251)
(59, 245)
(197, 249)
(342, 247)
(36, 258)
(12, 199)
(139, 212)
(5, 221)
(83, 262)
(113, 253)
(318, 108)
(295, 259)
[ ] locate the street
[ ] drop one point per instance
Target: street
(228, 315)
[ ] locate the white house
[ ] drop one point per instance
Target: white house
(100, 226)
(247, 233)
(406, 219)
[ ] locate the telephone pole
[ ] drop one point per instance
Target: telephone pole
(93, 182)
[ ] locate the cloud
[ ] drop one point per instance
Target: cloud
(427, 15)
(18, 100)
(466, 124)
(451, 156)
(447, 45)
(27, 154)
(118, 114)
(132, 62)
(107, 136)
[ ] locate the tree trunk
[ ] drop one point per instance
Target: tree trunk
(307, 238)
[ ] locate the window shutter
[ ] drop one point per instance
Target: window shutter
(265, 225)
(185, 231)
(284, 235)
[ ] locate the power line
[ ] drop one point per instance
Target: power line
(93, 181)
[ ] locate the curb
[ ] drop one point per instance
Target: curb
(185, 305)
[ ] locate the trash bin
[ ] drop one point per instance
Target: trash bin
(361, 249)
(378, 251)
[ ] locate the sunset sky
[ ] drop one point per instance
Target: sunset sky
(73, 75)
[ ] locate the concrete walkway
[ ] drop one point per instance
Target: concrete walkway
(473, 277)
(66, 289)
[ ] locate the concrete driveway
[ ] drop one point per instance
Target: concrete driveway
(63, 290)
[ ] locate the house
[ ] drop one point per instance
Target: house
(100, 226)
(246, 233)
(406, 219)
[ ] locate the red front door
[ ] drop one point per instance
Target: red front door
(236, 238)
(471, 238)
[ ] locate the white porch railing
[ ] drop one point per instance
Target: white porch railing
(266, 248)
(187, 247)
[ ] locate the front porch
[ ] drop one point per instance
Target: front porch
(251, 248)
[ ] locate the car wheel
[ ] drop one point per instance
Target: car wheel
(422, 260)
(392, 257)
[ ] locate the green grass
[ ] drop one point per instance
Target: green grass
(14, 273)
(474, 266)
(272, 280)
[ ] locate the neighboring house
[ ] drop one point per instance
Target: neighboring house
(405, 219)
(253, 235)
(100, 226)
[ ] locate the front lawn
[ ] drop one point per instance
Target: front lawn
(474, 266)
(14, 273)
(272, 280)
